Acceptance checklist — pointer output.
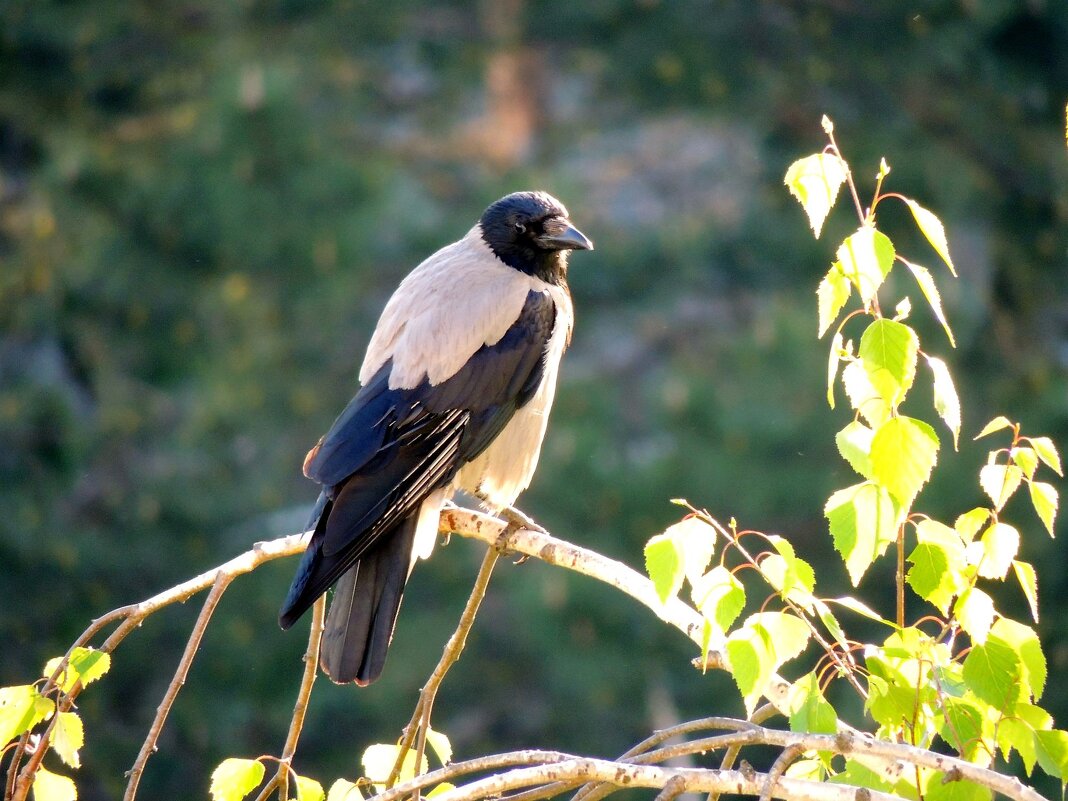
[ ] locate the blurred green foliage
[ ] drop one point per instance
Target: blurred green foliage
(203, 207)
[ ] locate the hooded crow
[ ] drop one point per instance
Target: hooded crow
(455, 394)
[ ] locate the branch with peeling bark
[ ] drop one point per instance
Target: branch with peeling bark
(533, 775)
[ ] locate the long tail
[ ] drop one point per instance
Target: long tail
(359, 625)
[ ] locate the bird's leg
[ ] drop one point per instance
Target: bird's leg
(517, 520)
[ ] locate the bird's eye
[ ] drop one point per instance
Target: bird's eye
(520, 228)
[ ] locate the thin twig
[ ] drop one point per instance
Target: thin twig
(148, 747)
(675, 787)
(759, 715)
(420, 721)
(778, 768)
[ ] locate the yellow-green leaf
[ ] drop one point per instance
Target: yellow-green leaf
(903, 454)
(932, 228)
(888, 351)
(48, 786)
(86, 665)
(1047, 452)
(344, 790)
(68, 737)
(1000, 544)
(378, 761)
(854, 443)
(719, 596)
(930, 291)
(937, 561)
(308, 789)
(863, 396)
(975, 612)
(833, 358)
(664, 566)
(235, 778)
(831, 296)
(969, 523)
(1044, 499)
(441, 746)
(1026, 459)
(1028, 578)
(21, 708)
(815, 181)
(946, 402)
(999, 482)
(997, 424)
(863, 523)
(441, 789)
(866, 258)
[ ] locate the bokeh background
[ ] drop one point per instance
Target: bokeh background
(204, 206)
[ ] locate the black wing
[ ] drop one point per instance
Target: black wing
(390, 448)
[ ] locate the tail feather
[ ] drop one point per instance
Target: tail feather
(359, 625)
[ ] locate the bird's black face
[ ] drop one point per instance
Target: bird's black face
(531, 232)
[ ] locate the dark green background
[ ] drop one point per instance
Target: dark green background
(204, 205)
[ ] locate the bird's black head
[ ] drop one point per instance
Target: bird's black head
(530, 232)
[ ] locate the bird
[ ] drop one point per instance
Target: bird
(455, 391)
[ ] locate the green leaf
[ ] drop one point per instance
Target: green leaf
(1023, 640)
(863, 396)
(21, 708)
(833, 359)
(48, 786)
(664, 566)
(440, 789)
(1018, 734)
(930, 291)
(888, 351)
(815, 181)
(235, 778)
(866, 258)
(854, 443)
(831, 296)
(997, 424)
(809, 710)
(1025, 574)
(1000, 481)
(750, 664)
(946, 402)
(1053, 752)
(719, 596)
(992, 672)
(1044, 499)
(86, 665)
(975, 612)
(863, 522)
(853, 605)
(969, 523)
(1026, 459)
(308, 789)
(932, 228)
(378, 761)
(441, 746)
(1047, 452)
(787, 634)
(68, 737)
(937, 561)
(962, 726)
(1000, 543)
(344, 790)
(941, 788)
(831, 623)
(903, 454)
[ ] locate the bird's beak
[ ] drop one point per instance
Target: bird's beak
(561, 235)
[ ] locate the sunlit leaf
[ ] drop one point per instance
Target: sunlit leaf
(809, 710)
(1000, 544)
(308, 789)
(902, 310)
(21, 708)
(1047, 452)
(344, 790)
(946, 402)
(1025, 574)
(235, 778)
(1026, 459)
(937, 561)
(441, 746)
(969, 523)
(992, 672)
(831, 296)
(440, 789)
(930, 291)
(751, 664)
(812, 770)
(955, 790)
(719, 596)
(1044, 499)
(999, 482)
(974, 611)
(962, 724)
(863, 396)
(863, 522)
(997, 424)
(1018, 734)
(932, 228)
(866, 258)
(86, 665)
(663, 563)
(854, 443)
(1052, 752)
(888, 351)
(833, 360)
(48, 786)
(853, 605)
(1023, 640)
(903, 454)
(68, 737)
(378, 761)
(815, 181)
